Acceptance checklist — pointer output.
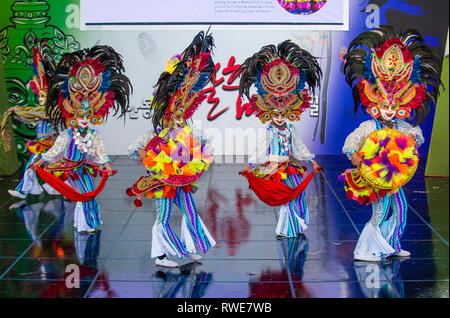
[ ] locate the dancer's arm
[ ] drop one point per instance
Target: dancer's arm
(300, 151)
(414, 132)
(261, 153)
(100, 153)
(55, 152)
(136, 150)
(354, 140)
(58, 149)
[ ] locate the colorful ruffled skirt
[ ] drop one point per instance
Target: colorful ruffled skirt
(359, 189)
(174, 160)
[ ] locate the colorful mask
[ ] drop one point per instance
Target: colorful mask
(179, 88)
(392, 66)
(392, 74)
(280, 85)
(90, 84)
(189, 95)
(85, 92)
(277, 87)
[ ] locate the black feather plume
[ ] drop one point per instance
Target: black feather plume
(119, 83)
(168, 83)
(367, 42)
(288, 51)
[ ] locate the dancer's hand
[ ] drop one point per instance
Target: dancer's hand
(141, 154)
(38, 163)
(315, 166)
(247, 169)
(109, 170)
(356, 159)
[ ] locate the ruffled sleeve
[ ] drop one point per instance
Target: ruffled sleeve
(299, 149)
(100, 156)
(140, 143)
(260, 155)
(58, 149)
(408, 129)
(354, 140)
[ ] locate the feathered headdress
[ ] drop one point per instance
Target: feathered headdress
(89, 82)
(43, 68)
(280, 74)
(388, 68)
(181, 89)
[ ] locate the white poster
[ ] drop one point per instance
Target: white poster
(298, 14)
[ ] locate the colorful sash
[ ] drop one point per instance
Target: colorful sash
(275, 193)
(69, 192)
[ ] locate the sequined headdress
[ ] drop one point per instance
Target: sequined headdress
(43, 68)
(89, 82)
(386, 68)
(280, 74)
(181, 90)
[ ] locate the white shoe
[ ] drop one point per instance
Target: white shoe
(165, 262)
(367, 258)
(194, 256)
(49, 189)
(17, 204)
(17, 194)
(403, 253)
(282, 236)
(92, 230)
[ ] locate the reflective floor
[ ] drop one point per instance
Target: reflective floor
(38, 246)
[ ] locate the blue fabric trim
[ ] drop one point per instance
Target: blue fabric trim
(65, 87)
(301, 81)
(261, 91)
(106, 82)
(368, 68)
(416, 71)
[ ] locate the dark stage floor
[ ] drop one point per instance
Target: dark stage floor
(38, 243)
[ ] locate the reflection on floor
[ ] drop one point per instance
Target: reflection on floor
(38, 246)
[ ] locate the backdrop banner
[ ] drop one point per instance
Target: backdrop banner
(223, 117)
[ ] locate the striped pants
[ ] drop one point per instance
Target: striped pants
(29, 183)
(294, 215)
(90, 216)
(392, 228)
(381, 235)
(193, 230)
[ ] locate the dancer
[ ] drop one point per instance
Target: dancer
(43, 68)
(389, 73)
(280, 74)
(88, 83)
(174, 158)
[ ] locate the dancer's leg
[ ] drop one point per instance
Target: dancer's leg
(195, 225)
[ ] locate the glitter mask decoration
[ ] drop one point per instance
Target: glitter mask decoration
(392, 72)
(90, 83)
(188, 95)
(280, 75)
(179, 88)
(86, 91)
